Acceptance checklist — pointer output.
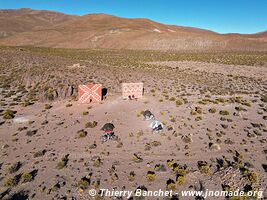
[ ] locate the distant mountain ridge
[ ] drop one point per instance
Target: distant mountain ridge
(53, 29)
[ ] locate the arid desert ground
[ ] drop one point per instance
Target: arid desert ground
(213, 107)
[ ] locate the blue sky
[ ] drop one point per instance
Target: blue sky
(223, 16)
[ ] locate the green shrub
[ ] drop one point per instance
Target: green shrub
(14, 168)
(204, 167)
(170, 185)
(137, 158)
(91, 124)
(178, 102)
(151, 176)
(224, 112)
(85, 112)
(212, 110)
(250, 175)
(180, 179)
(26, 177)
(131, 176)
(10, 182)
(82, 133)
(9, 114)
(48, 106)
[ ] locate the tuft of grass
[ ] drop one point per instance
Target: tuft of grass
(204, 167)
(196, 110)
(178, 102)
(151, 176)
(172, 99)
(97, 162)
(39, 153)
(63, 162)
(170, 163)
(131, 176)
(170, 185)
(224, 112)
(85, 113)
(10, 182)
(180, 169)
(82, 133)
(160, 167)
(49, 93)
(137, 158)
(250, 175)
(14, 168)
(68, 105)
(91, 124)
(212, 110)
(84, 183)
(180, 179)
(48, 106)
(9, 114)
(26, 177)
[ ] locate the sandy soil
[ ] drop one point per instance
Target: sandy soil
(202, 122)
(228, 70)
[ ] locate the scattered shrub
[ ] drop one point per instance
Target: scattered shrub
(26, 177)
(9, 114)
(151, 176)
(212, 110)
(137, 158)
(224, 112)
(48, 106)
(204, 167)
(11, 182)
(63, 162)
(15, 167)
(82, 133)
(91, 124)
(131, 176)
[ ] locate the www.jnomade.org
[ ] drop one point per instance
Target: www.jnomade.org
(162, 193)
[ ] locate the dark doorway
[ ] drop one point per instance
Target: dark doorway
(104, 92)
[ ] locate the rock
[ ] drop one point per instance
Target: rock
(5, 146)
(24, 119)
(214, 146)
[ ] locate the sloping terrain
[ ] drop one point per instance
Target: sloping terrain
(25, 20)
(50, 29)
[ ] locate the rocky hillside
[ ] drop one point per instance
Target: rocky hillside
(53, 29)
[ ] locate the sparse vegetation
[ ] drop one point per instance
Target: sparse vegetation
(11, 182)
(91, 124)
(63, 162)
(212, 110)
(204, 167)
(26, 177)
(224, 112)
(200, 112)
(9, 114)
(151, 176)
(137, 158)
(82, 133)
(15, 167)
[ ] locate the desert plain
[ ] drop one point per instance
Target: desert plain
(213, 107)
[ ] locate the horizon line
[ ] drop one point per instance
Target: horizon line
(186, 26)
